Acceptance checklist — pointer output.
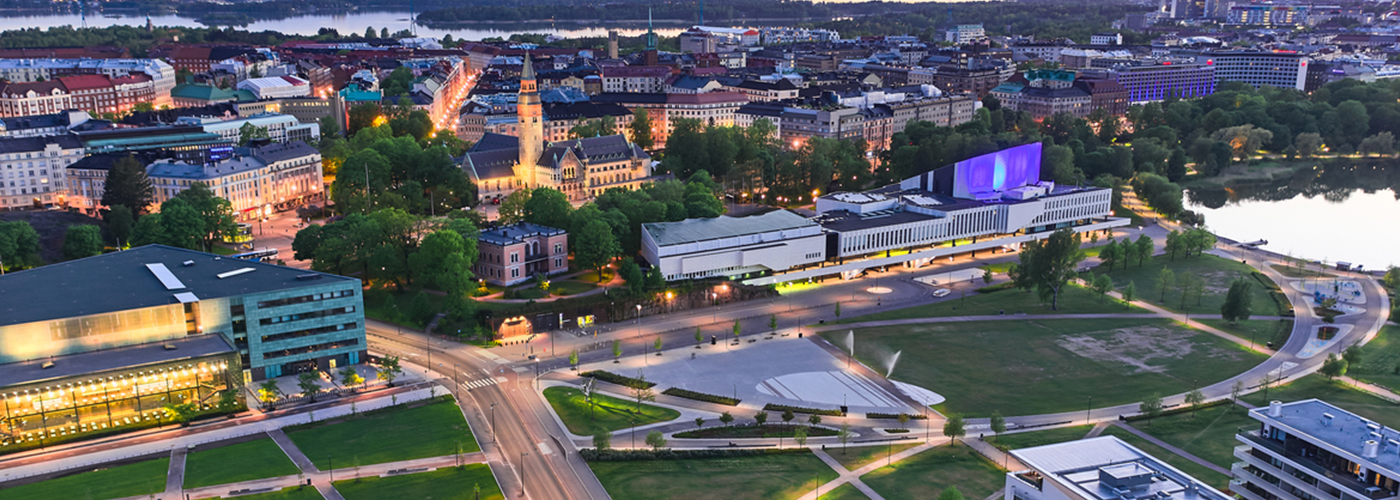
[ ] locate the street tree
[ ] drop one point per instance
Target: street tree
(1129, 292)
(1238, 298)
(814, 419)
(307, 381)
(903, 419)
(838, 309)
(737, 329)
(844, 436)
(641, 390)
(699, 337)
(595, 246)
(761, 417)
(656, 440)
(82, 240)
(954, 428)
(799, 436)
(1194, 400)
(616, 350)
(773, 323)
(986, 276)
(1352, 355)
(1102, 284)
(657, 345)
(788, 416)
(1047, 265)
(998, 423)
(699, 422)
(726, 419)
(1333, 367)
(1151, 408)
(388, 369)
(573, 359)
(1236, 391)
(350, 378)
(269, 391)
(602, 440)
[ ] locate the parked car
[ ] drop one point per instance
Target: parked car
(942, 292)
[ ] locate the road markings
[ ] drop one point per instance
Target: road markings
(544, 449)
(477, 384)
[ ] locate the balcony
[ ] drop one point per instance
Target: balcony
(1238, 487)
(1305, 465)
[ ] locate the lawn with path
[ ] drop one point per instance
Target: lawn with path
(846, 491)
(1380, 359)
(608, 413)
(141, 478)
(861, 456)
(1336, 393)
(236, 463)
(927, 474)
(1073, 300)
(1039, 438)
(1196, 470)
(1210, 434)
(1217, 273)
(1261, 331)
(761, 477)
(752, 431)
(387, 435)
(290, 493)
(1050, 366)
(444, 483)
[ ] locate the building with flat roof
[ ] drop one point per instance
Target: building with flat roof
(516, 253)
(1310, 449)
(105, 341)
(32, 170)
(1101, 468)
(732, 246)
(1258, 68)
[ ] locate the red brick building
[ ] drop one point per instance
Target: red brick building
(514, 254)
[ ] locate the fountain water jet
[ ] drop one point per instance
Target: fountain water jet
(893, 360)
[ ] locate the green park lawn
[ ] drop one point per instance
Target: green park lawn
(387, 435)
(1073, 300)
(1380, 359)
(1261, 331)
(609, 413)
(570, 287)
(765, 477)
(861, 456)
(290, 493)
(770, 430)
(1039, 438)
(444, 483)
(1210, 434)
(927, 474)
(844, 492)
(1308, 271)
(1196, 470)
(1034, 367)
(1217, 272)
(1336, 393)
(237, 463)
(141, 478)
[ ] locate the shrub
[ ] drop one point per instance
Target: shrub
(700, 396)
(997, 287)
(799, 409)
(614, 378)
(593, 455)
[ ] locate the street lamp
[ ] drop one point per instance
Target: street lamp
(522, 472)
(493, 423)
(714, 313)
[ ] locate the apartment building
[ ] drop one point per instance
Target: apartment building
(711, 108)
(35, 70)
(95, 93)
(1313, 450)
(635, 79)
(1275, 69)
(32, 170)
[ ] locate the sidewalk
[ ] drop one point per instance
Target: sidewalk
(321, 479)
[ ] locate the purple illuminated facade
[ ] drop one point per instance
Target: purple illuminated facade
(999, 171)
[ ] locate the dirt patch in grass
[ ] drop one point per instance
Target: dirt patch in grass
(1136, 346)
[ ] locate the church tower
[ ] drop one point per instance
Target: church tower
(531, 121)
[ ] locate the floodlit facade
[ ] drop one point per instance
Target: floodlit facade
(732, 246)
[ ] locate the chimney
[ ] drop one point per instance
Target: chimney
(1372, 449)
(1276, 409)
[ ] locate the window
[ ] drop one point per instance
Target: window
(515, 272)
(558, 248)
(514, 257)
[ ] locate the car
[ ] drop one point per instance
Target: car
(942, 292)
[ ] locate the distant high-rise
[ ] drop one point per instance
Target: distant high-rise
(612, 44)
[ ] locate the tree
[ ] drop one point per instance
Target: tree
(1382, 144)
(788, 416)
(656, 440)
(180, 413)
(736, 329)
(954, 428)
(1151, 407)
(128, 186)
(444, 260)
(1047, 265)
(1236, 391)
(903, 419)
(1166, 279)
(641, 390)
(814, 419)
(369, 32)
(617, 350)
(699, 422)
(1102, 284)
(998, 423)
(215, 213)
(512, 209)
(773, 323)
(1333, 367)
(595, 246)
(844, 436)
(602, 440)
(82, 240)
(657, 345)
(1194, 400)
(388, 369)
(1238, 298)
(549, 207)
(249, 132)
(1392, 278)
(350, 378)
(987, 276)
(950, 493)
(119, 223)
(573, 359)
(699, 337)
(1109, 254)
(640, 129)
(607, 125)
(1129, 292)
(838, 309)
(307, 382)
(1307, 144)
(799, 436)
(269, 391)
(726, 419)
(180, 223)
(1352, 355)
(761, 417)
(1142, 247)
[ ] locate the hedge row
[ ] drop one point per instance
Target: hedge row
(700, 396)
(614, 378)
(1285, 308)
(799, 409)
(592, 455)
(997, 287)
(1181, 409)
(894, 416)
(1264, 281)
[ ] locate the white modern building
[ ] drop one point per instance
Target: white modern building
(280, 127)
(732, 246)
(1101, 468)
(32, 170)
(1312, 450)
(1275, 69)
(276, 87)
(1108, 38)
(963, 34)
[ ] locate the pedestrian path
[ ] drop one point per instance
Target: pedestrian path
(175, 477)
(298, 458)
(321, 479)
(1150, 438)
(477, 384)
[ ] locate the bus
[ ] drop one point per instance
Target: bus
(260, 255)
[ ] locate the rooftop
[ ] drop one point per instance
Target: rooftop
(121, 281)
(516, 233)
(194, 346)
(1106, 468)
(1344, 432)
(692, 230)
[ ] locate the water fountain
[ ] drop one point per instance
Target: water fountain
(893, 360)
(851, 342)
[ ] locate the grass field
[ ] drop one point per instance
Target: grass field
(1198, 471)
(860, 456)
(1344, 396)
(610, 413)
(292, 493)
(1048, 366)
(388, 435)
(142, 478)
(449, 482)
(1261, 330)
(765, 477)
(1039, 438)
(1380, 359)
(1217, 273)
(237, 463)
(1308, 271)
(570, 287)
(752, 431)
(844, 492)
(1073, 300)
(927, 474)
(1209, 435)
